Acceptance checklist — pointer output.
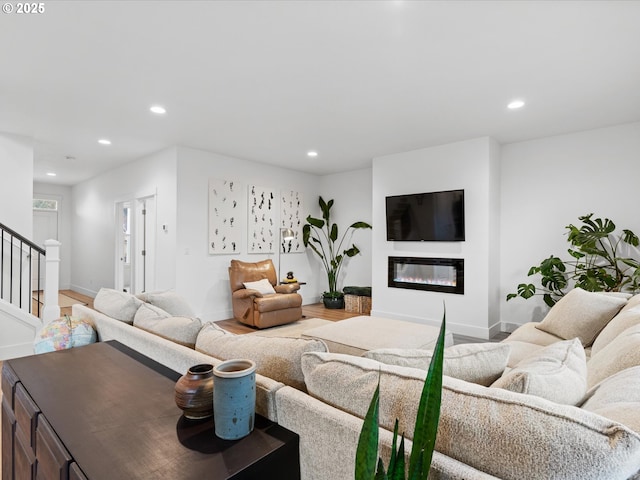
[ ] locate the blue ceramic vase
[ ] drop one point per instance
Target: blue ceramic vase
(234, 398)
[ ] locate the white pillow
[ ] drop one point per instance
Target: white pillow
(169, 301)
(581, 314)
(480, 363)
(116, 304)
(179, 329)
(622, 352)
(618, 398)
(262, 286)
(557, 372)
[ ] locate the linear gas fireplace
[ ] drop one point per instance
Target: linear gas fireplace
(435, 274)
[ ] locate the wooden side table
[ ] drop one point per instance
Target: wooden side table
(105, 411)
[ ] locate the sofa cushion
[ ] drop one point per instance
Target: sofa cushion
(481, 363)
(633, 302)
(621, 353)
(502, 433)
(261, 286)
(581, 314)
(558, 373)
(618, 324)
(169, 301)
(115, 304)
(617, 398)
(178, 329)
(278, 358)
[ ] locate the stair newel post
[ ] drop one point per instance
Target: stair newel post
(51, 309)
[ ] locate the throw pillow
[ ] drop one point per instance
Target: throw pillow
(115, 304)
(480, 363)
(278, 358)
(557, 372)
(63, 333)
(169, 301)
(263, 286)
(621, 353)
(178, 329)
(581, 314)
(490, 429)
(619, 323)
(617, 398)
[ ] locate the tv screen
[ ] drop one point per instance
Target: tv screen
(426, 217)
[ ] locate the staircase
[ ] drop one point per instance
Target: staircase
(22, 266)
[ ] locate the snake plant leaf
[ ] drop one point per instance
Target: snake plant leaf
(426, 426)
(380, 473)
(367, 450)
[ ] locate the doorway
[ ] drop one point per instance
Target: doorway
(45, 227)
(135, 245)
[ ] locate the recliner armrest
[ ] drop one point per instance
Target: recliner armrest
(246, 293)
(287, 288)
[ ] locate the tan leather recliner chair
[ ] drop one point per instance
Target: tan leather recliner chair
(255, 309)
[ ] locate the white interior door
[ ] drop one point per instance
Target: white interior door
(124, 244)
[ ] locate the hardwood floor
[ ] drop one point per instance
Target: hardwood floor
(65, 310)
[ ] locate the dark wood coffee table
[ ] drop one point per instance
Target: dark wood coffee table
(106, 412)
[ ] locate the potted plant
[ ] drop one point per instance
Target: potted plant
(369, 466)
(323, 238)
(597, 264)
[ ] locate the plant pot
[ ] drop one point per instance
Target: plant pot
(194, 392)
(234, 398)
(333, 302)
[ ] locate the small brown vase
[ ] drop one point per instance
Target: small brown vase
(194, 392)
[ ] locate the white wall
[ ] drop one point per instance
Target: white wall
(203, 278)
(61, 193)
(16, 183)
(470, 165)
(93, 240)
(351, 192)
(547, 184)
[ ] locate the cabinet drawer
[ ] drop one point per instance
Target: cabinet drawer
(26, 412)
(52, 458)
(8, 431)
(24, 460)
(9, 380)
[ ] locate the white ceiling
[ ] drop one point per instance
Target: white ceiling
(270, 80)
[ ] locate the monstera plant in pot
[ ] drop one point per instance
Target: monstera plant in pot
(324, 239)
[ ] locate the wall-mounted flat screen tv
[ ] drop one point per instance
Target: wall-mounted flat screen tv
(426, 217)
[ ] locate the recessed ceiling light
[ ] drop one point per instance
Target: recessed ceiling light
(158, 109)
(515, 104)
(51, 174)
(312, 154)
(104, 141)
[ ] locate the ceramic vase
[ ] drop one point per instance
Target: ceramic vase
(194, 392)
(234, 398)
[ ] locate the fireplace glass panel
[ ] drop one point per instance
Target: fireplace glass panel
(434, 274)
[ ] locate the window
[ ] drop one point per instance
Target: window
(44, 204)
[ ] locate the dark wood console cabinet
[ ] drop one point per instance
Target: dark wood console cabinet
(106, 412)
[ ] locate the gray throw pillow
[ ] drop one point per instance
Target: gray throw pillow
(116, 304)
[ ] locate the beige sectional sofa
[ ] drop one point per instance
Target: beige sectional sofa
(524, 429)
